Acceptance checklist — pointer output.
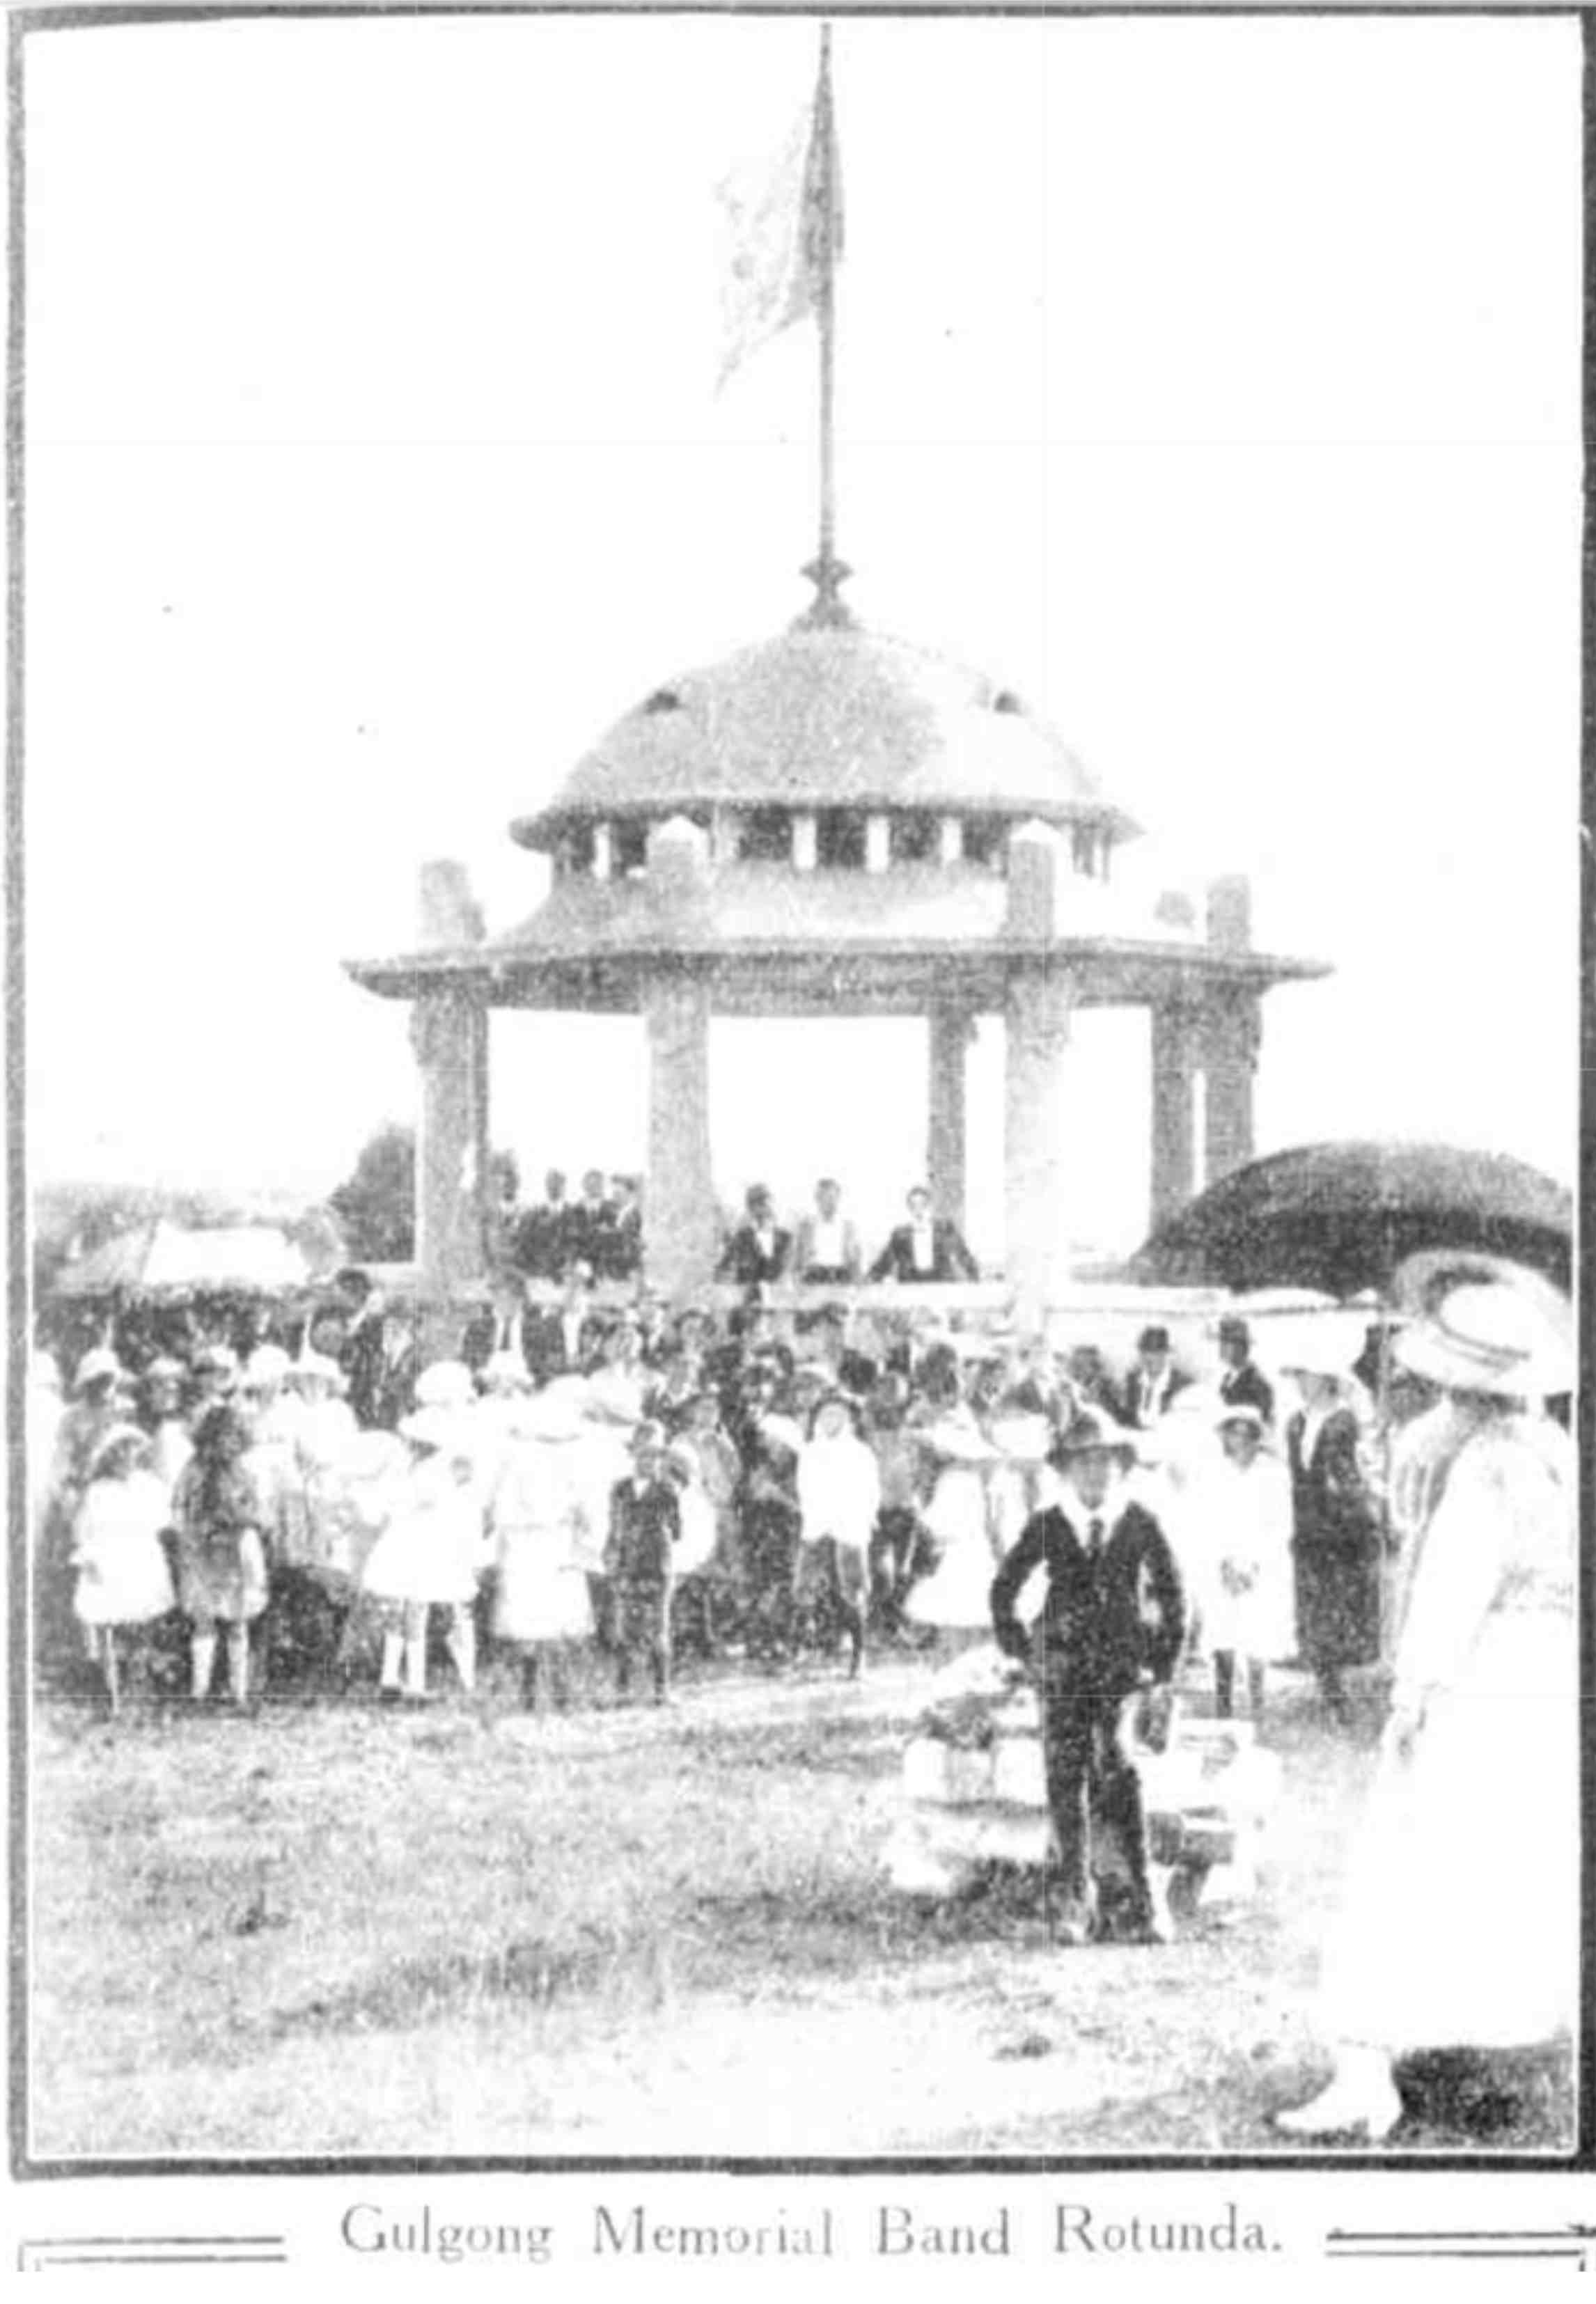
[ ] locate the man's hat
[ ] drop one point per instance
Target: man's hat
(1153, 1340)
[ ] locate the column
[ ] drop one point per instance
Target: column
(1037, 1018)
(449, 1035)
(1232, 1028)
(951, 1029)
(679, 1219)
(1174, 1147)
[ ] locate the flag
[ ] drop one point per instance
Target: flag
(782, 225)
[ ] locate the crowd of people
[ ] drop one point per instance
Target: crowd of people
(578, 1487)
(307, 1500)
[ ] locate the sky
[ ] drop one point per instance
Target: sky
(1213, 383)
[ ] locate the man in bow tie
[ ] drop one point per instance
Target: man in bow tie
(1107, 1643)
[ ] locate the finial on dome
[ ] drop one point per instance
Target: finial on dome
(828, 574)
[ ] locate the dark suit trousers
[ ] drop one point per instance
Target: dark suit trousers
(1090, 1784)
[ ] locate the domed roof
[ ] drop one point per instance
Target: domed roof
(827, 715)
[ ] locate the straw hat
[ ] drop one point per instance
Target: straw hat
(443, 1429)
(95, 1367)
(1318, 1351)
(119, 1436)
(1241, 1412)
(553, 1415)
(316, 1367)
(1488, 1338)
(267, 1366)
(446, 1384)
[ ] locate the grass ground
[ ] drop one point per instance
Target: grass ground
(334, 1930)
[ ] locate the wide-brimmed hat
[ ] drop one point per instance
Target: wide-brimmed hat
(1318, 1351)
(316, 1367)
(267, 1364)
(1091, 1427)
(217, 1360)
(446, 1384)
(553, 1415)
(95, 1367)
(443, 1428)
(120, 1435)
(1241, 1412)
(165, 1368)
(1485, 1337)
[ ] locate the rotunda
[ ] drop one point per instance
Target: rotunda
(833, 823)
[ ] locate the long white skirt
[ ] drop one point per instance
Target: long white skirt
(1459, 1918)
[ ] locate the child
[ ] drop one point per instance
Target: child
(542, 1607)
(645, 1528)
(839, 1495)
(122, 1575)
(221, 1558)
(1243, 1514)
(429, 1554)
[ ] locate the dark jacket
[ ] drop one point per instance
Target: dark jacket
(539, 1247)
(950, 1258)
(645, 1526)
(1247, 1387)
(743, 1258)
(1101, 1631)
(1138, 1390)
(482, 1339)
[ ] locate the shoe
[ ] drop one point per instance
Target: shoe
(1362, 2108)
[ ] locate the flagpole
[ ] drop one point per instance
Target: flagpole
(827, 313)
(827, 570)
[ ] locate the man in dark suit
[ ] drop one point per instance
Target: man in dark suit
(506, 1326)
(926, 1247)
(758, 1251)
(540, 1236)
(1154, 1382)
(561, 1336)
(1242, 1383)
(590, 1227)
(1107, 1643)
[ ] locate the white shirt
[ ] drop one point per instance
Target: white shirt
(923, 1246)
(828, 1242)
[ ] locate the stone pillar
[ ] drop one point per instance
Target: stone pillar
(680, 1232)
(1232, 1028)
(878, 843)
(950, 1035)
(1037, 1018)
(449, 1035)
(950, 840)
(806, 832)
(1174, 1145)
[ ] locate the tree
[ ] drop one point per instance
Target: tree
(376, 1205)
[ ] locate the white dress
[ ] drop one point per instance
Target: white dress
(431, 1549)
(123, 1574)
(537, 1513)
(1237, 1557)
(839, 1491)
(957, 1594)
(1459, 1919)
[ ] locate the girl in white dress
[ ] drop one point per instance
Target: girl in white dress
(123, 1578)
(955, 1598)
(542, 1607)
(1239, 1558)
(431, 1553)
(839, 1496)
